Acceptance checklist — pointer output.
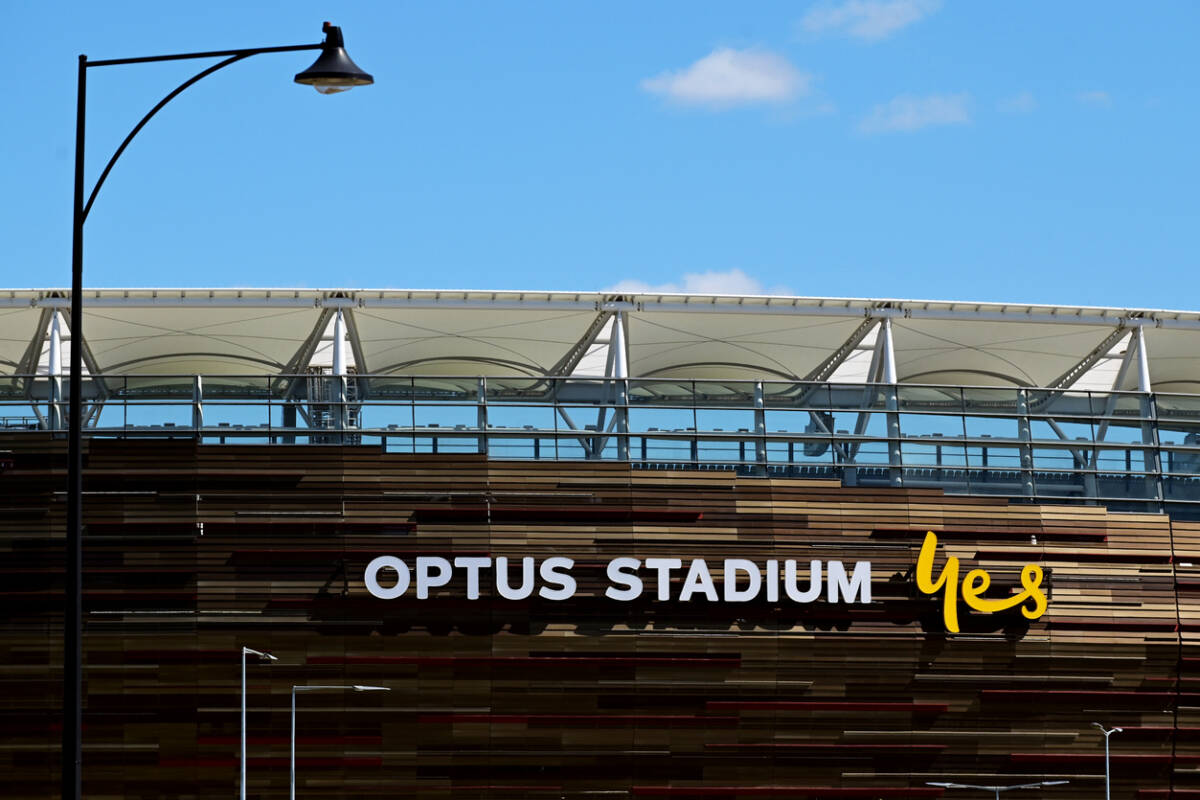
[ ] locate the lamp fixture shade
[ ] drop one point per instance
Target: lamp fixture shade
(334, 71)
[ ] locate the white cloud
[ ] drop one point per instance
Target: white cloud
(1095, 97)
(870, 20)
(1019, 103)
(734, 281)
(908, 113)
(727, 77)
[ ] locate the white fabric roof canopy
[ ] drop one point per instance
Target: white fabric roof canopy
(257, 332)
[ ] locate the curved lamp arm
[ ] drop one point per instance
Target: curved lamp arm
(108, 167)
(234, 56)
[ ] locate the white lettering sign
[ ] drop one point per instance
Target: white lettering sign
(742, 580)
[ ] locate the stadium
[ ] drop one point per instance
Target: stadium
(601, 545)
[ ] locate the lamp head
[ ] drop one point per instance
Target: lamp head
(250, 651)
(334, 71)
(358, 688)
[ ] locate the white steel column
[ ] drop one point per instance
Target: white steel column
(889, 352)
(197, 404)
(760, 429)
(620, 350)
(481, 416)
(891, 403)
(1143, 361)
(339, 344)
(1025, 435)
(620, 372)
(55, 371)
(339, 367)
(1151, 461)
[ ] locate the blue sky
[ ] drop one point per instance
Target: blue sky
(1016, 151)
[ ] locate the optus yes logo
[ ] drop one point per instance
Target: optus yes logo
(976, 582)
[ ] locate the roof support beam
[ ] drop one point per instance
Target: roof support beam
(102, 391)
(823, 371)
(588, 443)
(299, 360)
(882, 376)
(1079, 368)
(616, 366)
(27, 365)
(355, 341)
(570, 360)
(362, 385)
(874, 376)
(1132, 356)
(33, 351)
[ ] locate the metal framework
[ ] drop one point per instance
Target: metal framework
(1074, 405)
(1125, 449)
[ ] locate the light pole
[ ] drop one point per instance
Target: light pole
(333, 71)
(997, 789)
(248, 651)
(353, 688)
(1107, 732)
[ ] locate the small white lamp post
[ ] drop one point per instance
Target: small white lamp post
(248, 651)
(1107, 732)
(353, 688)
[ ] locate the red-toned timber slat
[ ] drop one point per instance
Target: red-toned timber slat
(825, 705)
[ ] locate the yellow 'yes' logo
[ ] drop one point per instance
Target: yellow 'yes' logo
(974, 585)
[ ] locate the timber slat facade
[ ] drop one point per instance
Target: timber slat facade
(193, 551)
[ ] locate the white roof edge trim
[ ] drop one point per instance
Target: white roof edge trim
(460, 298)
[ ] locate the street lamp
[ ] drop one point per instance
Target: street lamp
(1107, 732)
(248, 651)
(997, 789)
(332, 72)
(354, 688)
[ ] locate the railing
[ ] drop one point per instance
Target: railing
(1123, 449)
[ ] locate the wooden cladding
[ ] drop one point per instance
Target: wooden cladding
(193, 551)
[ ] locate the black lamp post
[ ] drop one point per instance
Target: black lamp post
(333, 71)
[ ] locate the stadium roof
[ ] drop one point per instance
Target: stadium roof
(254, 332)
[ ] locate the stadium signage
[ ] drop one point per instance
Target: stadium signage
(1031, 599)
(742, 580)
